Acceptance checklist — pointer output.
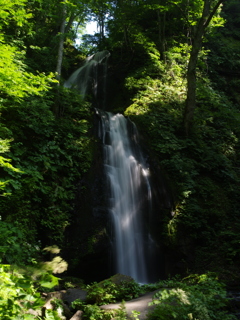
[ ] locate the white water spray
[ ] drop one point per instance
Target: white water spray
(130, 195)
(86, 78)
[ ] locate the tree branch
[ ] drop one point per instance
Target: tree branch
(212, 13)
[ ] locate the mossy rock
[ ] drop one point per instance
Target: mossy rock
(118, 279)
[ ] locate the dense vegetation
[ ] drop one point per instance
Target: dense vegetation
(187, 113)
(191, 298)
(202, 167)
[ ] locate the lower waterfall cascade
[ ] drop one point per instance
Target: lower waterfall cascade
(130, 197)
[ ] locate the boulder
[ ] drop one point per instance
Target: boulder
(77, 315)
(71, 295)
(119, 278)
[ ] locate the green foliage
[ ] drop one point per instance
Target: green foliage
(128, 290)
(13, 10)
(47, 156)
(121, 313)
(13, 288)
(135, 315)
(171, 282)
(198, 297)
(57, 313)
(5, 163)
(102, 293)
(202, 172)
(52, 154)
(14, 247)
(160, 82)
(109, 292)
(94, 312)
(19, 295)
(43, 158)
(15, 80)
(78, 304)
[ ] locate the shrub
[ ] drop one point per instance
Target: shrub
(195, 298)
(18, 293)
(109, 292)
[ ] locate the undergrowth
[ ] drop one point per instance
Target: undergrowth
(196, 297)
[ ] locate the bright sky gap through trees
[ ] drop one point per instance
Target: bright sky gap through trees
(91, 28)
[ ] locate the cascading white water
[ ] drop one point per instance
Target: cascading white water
(87, 77)
(130, 195)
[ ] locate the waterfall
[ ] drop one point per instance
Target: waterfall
(91, 77)
(130, 196)
(129, 192)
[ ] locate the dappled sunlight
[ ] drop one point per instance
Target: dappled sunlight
(57, 265)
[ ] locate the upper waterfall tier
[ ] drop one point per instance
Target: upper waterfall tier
(91, 77)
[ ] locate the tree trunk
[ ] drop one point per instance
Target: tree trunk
(204, 21)
(161, 34)
(61, 43)
(192, 83)
(56, 107)
(101, 24)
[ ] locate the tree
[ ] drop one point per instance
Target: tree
(15, 81)
(70, 12)
(210, 7)
(61, 42)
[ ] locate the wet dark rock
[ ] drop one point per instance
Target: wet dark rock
(234, 302)
(71, 295)
(107, 138)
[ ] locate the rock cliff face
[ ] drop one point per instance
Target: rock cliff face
(88, 245)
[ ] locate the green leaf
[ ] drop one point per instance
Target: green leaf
(49, 281)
